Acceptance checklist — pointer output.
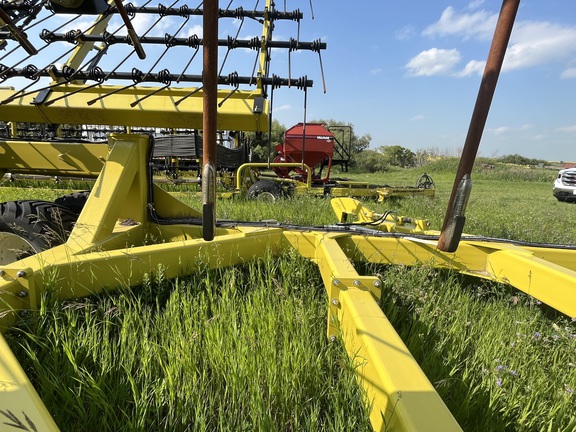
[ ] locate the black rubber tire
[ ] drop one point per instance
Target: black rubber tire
(265, 190)
(74, 201)
(43, 224)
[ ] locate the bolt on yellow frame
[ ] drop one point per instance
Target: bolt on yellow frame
(107, 248)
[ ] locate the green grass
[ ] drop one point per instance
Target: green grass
(242, 348)
(245, 348)
(500, 360)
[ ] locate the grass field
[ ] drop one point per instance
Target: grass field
(245, 348)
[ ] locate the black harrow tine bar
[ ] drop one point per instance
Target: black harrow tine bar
(254, 43)
(4, 69)
(138, 76)
(172, 11)
(135, 74)
(224, 13)
(69, 73)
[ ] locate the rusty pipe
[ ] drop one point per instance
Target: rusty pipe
(210, 112)
(454, 220)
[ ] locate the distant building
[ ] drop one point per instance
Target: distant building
(568, 164)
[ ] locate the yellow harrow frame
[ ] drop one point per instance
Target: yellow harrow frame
(124, 210)
(129, 226)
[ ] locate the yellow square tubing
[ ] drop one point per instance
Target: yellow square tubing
(399, 394)
(545, 273)
(158, 110)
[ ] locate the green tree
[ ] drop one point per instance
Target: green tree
(398, 156)
(370, 161)
(344, 133)
(259, 142)
(521, 160)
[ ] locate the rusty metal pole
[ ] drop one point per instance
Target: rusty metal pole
(210, 112)
(454, 220)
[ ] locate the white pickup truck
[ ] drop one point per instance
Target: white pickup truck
(565, 185)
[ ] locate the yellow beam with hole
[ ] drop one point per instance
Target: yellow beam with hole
(399, 394)
(159, 109)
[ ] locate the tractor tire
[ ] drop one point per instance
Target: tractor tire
(265, 190)
(28, 227)
(74, 201)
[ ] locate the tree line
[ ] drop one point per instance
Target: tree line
(365, 159)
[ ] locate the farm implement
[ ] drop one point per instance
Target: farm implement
(128, 225)
(308, 149)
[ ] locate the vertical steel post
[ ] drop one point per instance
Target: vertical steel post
(210, 112)
(454, 220)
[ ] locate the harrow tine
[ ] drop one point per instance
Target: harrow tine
(192, 93)
(41, 49)
(188, 64)
(18, 34)
(163, 76)
(230, 42)
(93, 101)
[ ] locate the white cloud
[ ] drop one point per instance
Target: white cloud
(282, 108)
(473, 67)
(418, 117)
(197, 30)
(433, 62)
(500, 130)
(405, 33)
(475, 4)
(376, 71)
(538, 137)
(567, 129)
(479, 25)
(568, 73)
(539, 43)
(532, 43)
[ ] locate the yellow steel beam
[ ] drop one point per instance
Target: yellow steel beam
(241, 177)
(399, 394)
(544, 280)
(119, 194)
(158, 110)
(90, 273)
(53, 158)
(521, 267)
(20, 405)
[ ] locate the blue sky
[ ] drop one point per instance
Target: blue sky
(408, 73)
(405, 72)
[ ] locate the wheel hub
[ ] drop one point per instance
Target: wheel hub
(14, 248)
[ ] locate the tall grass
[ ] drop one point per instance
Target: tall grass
(245, 348)
(500, 359)
(242, 348)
